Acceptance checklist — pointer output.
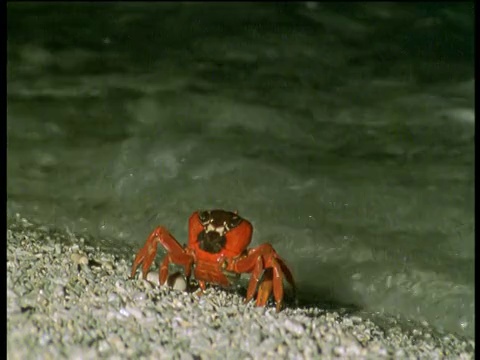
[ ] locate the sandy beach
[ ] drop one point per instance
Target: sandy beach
(66, 299)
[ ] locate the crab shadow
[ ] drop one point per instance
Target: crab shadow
(337, 296)
(324, 292)
(326, 298)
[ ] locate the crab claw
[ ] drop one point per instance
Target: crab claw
(147, 254)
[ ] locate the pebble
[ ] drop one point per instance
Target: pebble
(139, 296)
(116, 342)
(152, 277)
(177, 282)
(54, 309)
(294, 327)
(135, 312)
(58, 249)
(79, 259)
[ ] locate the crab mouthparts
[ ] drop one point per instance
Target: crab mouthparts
(211, 241)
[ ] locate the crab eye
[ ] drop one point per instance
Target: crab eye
(204, 216)
(235, 220)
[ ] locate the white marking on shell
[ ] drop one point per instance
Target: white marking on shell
(225, 225)
(220, 230)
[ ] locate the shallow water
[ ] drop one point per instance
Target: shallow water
(344, 133)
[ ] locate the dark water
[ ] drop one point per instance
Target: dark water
(344, 132)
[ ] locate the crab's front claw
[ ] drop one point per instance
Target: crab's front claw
(175, 253)
(147, 254)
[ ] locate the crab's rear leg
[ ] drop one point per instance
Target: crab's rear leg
(272, 280)
(265, 288)
(264, 259)
(175, 254)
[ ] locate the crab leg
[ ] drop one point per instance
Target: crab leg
(265, 288)
(286, 271)
(254, 279)
(264, 259)
(272, 279)
(175, 254)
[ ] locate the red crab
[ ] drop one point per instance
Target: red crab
(217, 250)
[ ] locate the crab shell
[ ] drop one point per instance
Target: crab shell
(215, 236)
(217, 233)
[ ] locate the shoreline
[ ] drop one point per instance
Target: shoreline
(67, 299)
